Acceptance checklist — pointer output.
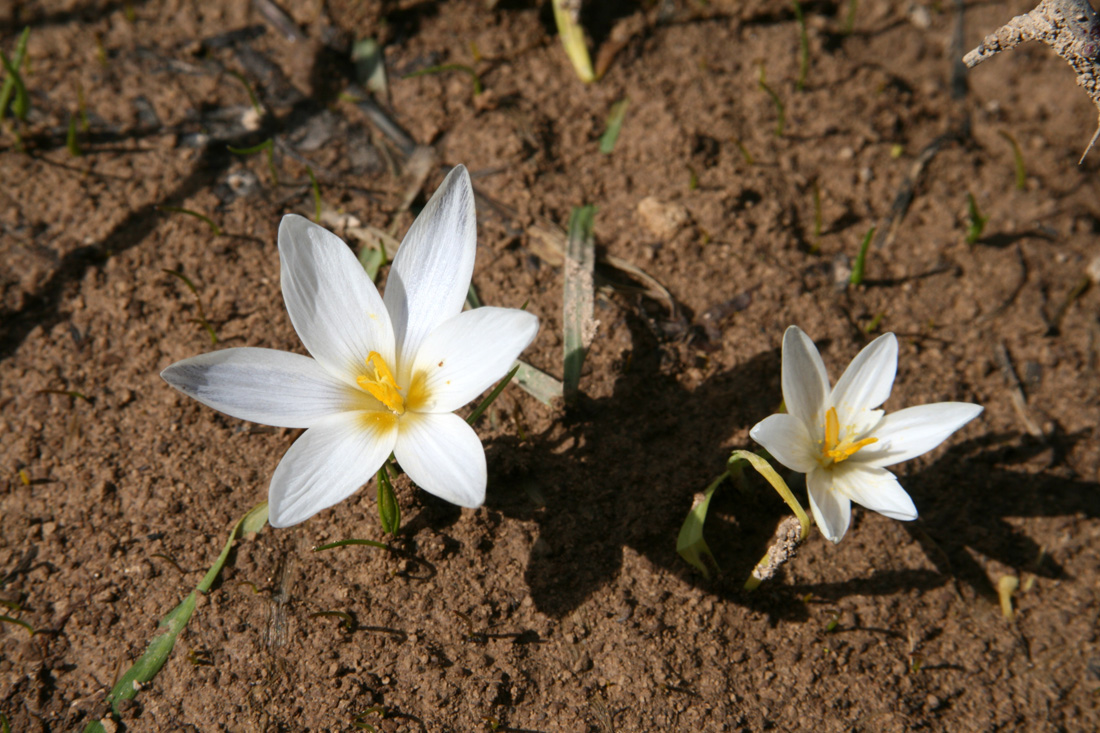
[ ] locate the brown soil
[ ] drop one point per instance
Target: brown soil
(561, 605)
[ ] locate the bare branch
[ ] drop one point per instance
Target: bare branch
(1070, 27)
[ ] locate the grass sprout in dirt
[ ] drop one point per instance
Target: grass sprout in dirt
(587, 536)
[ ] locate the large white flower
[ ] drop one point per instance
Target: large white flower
(386, 373)
(841, 441)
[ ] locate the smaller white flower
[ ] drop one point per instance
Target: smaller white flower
(386, 373)
(841, 441)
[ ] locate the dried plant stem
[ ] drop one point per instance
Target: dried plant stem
(1070, 27)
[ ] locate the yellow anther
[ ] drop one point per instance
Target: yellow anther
(835, 449)
(379, 382)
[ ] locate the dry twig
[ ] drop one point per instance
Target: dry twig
(1070, 27)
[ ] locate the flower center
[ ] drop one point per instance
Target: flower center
(379, 382)
(835, 450)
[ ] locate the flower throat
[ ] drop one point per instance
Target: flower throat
(834, 449)
(379, 382)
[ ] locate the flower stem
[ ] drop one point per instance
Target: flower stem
(788, 536)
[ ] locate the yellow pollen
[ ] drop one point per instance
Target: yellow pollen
(834, 449)
(379, 382)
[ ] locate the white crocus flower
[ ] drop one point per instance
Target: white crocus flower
(386, 373)
(841, 441)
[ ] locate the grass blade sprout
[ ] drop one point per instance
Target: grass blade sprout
(492, 396)
(201, 320)
(690, 543)
(538, 384)
(803, 46)
(214, 228)
(268, 148)
(579, 299)
(856, 278)
(370, 66)
(1018, 159)
(567, 17)
(316, 195)
(614, 125)
(442, 68)
(13, 81)
(975, 222)
(156, 654)
(780, 110)
(389, 511)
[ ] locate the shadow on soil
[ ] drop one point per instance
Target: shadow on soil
(623, 472)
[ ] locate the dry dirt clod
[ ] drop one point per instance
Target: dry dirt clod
(1070, 27)
(662, 219)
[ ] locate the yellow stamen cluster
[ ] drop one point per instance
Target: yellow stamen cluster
(834, 449)
(379, 382)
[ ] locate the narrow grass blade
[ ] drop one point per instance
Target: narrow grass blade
(13, 82)
(468, 70)
(316, 194)
(803, 46)
(372, 259)
(345, 543)
(156, 654)
(214, 228)
(614, 125)
(201, 320)
(856, 277)
(389, 511)
(572, 38)
(71, 141)
(538, 384)
(370, 66)
(780, 110)
(17, 622)
(975, 222)
(491, 397)
(472, 298)
(579, 299)
(1018, 157)
(690, 543)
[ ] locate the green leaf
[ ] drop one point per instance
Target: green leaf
(579, 298)
(491, 397)
(468, 70)
(975, 222)
(614, 125)
(538, 383)
(353, 541)
(13, 82)
(372, 259)
(17, 622)
(71, 141)
(389, 511)
(370, 66)
(856, 277)
(156, 654)
(572, 38)
(690, 543)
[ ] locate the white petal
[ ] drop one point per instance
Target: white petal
(875, 488)
(443, 456)
(866, 384)
(333, 305)
(832, 510)
(805, 381)
(431, 272)
(263, 385)
(329, 463)
(786, 438)
(914, 431)
(469, 352)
